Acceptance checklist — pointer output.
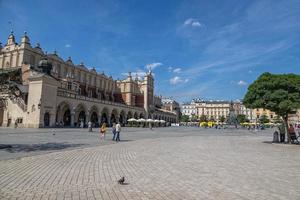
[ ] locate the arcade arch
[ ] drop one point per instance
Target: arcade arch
(63, 114)
(80, 114)
(104, 115)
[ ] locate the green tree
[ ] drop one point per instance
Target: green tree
(203, 118)
(277, 119)
(212, 119)
(184, 118)
(279, 93)
(194, 118)
(242, 118)
(263, 119)
(222, 119)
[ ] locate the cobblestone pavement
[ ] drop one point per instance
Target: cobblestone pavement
(29, 142)
(211, 165)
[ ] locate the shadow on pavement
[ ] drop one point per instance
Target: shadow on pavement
(279, 143)
(14, 148)
(267, 142)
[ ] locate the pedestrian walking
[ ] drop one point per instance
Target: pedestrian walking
(103, 131)
(114, 131)
(90, 126)
(118, 130)
(16, 124)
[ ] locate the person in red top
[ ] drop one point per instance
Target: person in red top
(292, 133)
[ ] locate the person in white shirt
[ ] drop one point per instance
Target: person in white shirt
(118, 130)
(90, 126)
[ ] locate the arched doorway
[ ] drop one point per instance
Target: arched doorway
(141, 115)
(46, 119)
(94, 119)
(122, 117)
(129, 115)
(113, 118)
(104, 118)
(81, 117)
(135, 115)
(67, 118)
(63, 114)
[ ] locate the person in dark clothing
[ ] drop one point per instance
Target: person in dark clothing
(281, 129)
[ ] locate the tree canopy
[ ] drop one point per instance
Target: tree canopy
(279, 93)
(184, 118)
(242, 118)
(203, 118)
(264, 119)
(222, 119)
(194, 118)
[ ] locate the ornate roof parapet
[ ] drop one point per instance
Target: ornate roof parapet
(11, 38)
(69, 61)
(45, 65)
(25, 38)
(129, 77)
(93, 70)
(38, 48)
(25, 42)
(81, 66)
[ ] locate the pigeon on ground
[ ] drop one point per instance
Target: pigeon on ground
(121, 180)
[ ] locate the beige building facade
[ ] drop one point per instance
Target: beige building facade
(54, 92)
(215, 109)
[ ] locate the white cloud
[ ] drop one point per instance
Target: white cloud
(170, 69)
(192, 22)
(176, 80)
(188, 21)
(67, 45)
(196, 24)
(152, 66)
(177, 70)
(241, 83)
(250, 71)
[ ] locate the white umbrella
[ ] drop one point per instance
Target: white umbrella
(156, 120)
(162, 121)
(150, 120)
(141, 120)
(132, 120)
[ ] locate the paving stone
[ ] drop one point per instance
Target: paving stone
(172, 163)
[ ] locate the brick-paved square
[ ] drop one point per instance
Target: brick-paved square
(165, 163)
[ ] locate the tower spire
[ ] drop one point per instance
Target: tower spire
(11, 38)
(25, 38)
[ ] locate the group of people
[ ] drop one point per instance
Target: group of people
(291, 133)
(116, 130)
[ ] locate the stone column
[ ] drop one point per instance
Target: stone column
(108, 119)
(99, 119)
(87, 117)
(72, 118)
(51, 119)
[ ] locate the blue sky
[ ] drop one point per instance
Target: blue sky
(207, 48)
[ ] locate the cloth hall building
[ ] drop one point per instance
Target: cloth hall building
(42, 90)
